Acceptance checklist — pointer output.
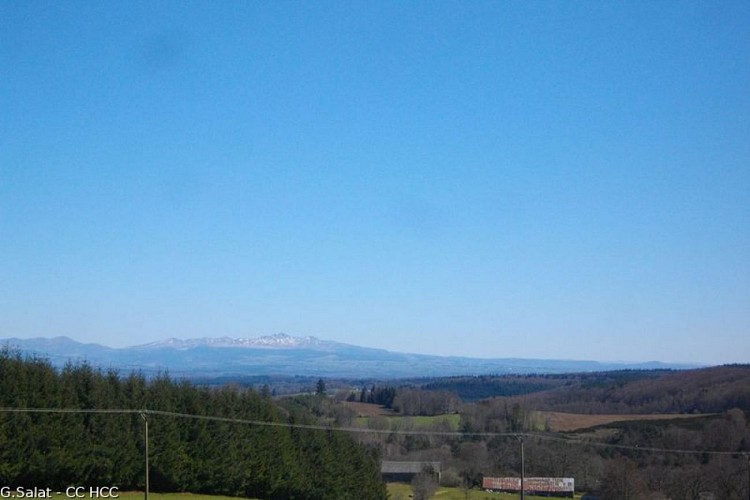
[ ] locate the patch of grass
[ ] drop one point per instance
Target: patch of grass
(448, 423)
(399, 491)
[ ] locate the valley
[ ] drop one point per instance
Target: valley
(661, 431)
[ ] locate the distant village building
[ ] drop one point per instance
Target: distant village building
(547, 486)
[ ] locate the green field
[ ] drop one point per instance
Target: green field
(398, 423)
(139, 495)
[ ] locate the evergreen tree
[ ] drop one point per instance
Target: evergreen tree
(186, 454)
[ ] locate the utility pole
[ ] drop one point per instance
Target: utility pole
(145, 454)
(523, 467)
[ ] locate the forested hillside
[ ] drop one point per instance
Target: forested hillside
(474, 388)
(186, 454)
(706, 390)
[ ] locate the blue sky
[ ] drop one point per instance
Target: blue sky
(490, 179)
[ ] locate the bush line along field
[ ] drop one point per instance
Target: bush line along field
(398, 491)
(395, 491)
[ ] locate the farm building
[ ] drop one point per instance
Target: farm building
(405, 471)
(541, 486)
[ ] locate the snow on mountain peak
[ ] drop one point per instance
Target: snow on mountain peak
(278, 340)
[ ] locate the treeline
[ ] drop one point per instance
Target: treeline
(185, 454)
(474, 388)
(383, 396)
(409, 401)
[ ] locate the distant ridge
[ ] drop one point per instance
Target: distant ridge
(286, 355)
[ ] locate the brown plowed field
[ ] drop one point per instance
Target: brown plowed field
(562, 422)
(558, 421)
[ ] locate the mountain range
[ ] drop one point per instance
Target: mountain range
(285, 355)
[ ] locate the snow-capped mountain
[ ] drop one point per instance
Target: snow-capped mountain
(286, 355)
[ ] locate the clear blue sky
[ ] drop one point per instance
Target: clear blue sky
(492, 179)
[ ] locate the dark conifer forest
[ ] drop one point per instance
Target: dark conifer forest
(230, 457)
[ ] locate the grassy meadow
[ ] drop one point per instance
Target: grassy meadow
(449, 423)
(396, 491)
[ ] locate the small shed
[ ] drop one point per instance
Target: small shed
(404, 472)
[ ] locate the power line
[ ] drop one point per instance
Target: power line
(70, 410)
(360, 430)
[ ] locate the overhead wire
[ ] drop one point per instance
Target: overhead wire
(360, 430)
